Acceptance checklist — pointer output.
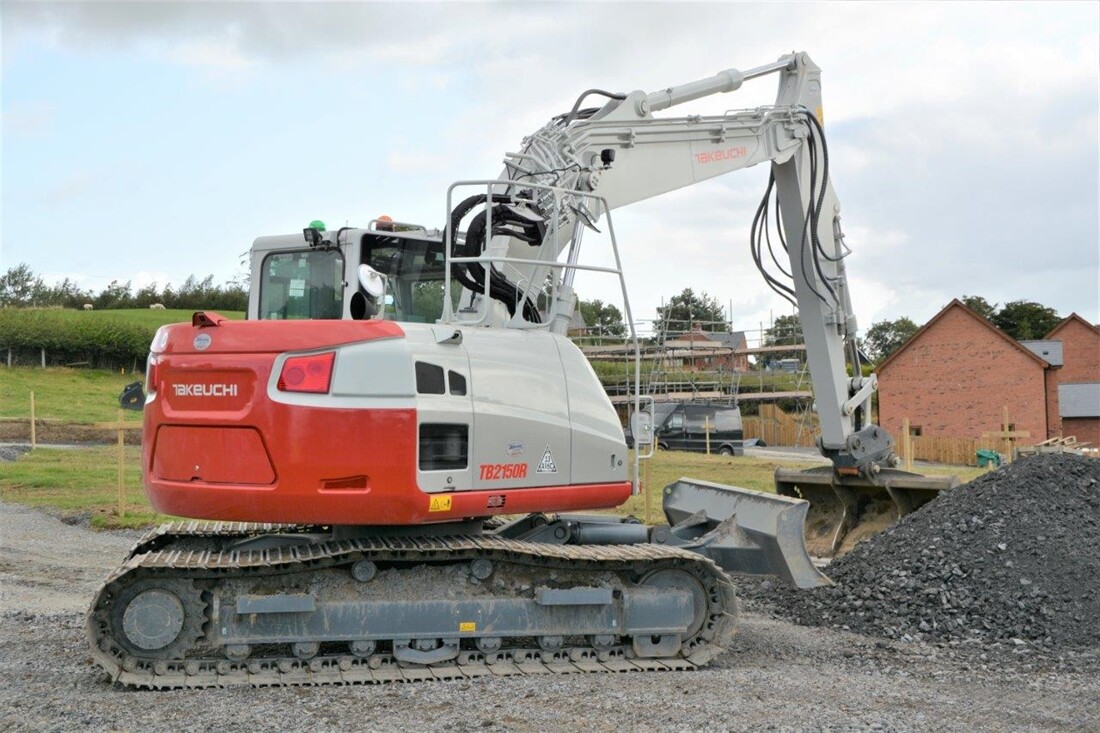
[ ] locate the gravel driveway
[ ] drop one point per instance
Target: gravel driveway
(779, 675)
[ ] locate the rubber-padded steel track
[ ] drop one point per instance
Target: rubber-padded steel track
(199, 553)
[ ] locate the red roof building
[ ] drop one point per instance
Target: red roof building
(1073, 394)
(956, 375)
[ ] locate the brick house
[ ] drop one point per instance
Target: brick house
(1073, 392)
(954, 377)
(701, 350)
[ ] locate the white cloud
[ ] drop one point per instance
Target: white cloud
(963, 136)
(145, 278)
(213, 54)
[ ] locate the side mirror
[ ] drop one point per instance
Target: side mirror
(641, 427)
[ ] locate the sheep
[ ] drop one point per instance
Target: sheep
(157, 306)
(88, 306)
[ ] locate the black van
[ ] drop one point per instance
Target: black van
(683, 426)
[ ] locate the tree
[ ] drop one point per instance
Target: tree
(115, 295)
(885, 337)
(687, 311)
(1024, 319)
(786, 330)
(980, 305)
(602, 319)
(67, 295)
(20, 287)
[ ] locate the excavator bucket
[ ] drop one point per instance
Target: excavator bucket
(743, 531)
(846, 509)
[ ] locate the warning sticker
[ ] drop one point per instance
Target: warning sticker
(547, 465)
(440, 504)
(467, 626)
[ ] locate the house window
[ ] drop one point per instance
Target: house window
(914, 431)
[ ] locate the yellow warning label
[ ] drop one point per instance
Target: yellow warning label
(820, 114)
(440, 504)
(467, 626)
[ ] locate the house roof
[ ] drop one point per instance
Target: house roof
(727, 339)
(1079, 400)
(1069, 319)
(1050, 350)
(732, 339)
(958, 304)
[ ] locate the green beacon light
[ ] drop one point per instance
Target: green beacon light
(318, 225)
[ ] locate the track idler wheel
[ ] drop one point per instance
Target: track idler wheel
(158, 619)
(682, 580)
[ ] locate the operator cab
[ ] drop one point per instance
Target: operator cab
(389, 270)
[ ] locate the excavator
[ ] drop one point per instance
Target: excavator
(388, 463)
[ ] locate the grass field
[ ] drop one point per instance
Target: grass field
(66, 395)
(86, 480)
(79, 395)
(83, 480)
(146, 316)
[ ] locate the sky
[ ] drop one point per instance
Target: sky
(148, 141)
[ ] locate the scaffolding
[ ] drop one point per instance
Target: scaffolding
(705, 362)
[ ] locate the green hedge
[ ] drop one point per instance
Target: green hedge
(66, 334)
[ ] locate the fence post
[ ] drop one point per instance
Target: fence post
(907, 444)
(34, 436)
(121, 467)
(706, 432)
(43, 350)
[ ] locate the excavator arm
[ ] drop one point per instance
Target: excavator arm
(623, 153)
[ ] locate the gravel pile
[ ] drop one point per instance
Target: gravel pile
(1012, 557)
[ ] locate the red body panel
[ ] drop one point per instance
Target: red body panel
(217, 448)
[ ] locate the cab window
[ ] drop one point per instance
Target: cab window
(301, 285)
(414, 270)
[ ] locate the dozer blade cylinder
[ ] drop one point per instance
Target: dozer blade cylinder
(844, 509)
(743, 531)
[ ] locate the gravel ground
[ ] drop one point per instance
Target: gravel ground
(1012, 557)
(778, 676)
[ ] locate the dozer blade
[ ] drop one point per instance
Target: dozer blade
(743, 531)
(846, 509)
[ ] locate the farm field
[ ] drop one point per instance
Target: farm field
(146, 317)
(63, 394)
(84, 481)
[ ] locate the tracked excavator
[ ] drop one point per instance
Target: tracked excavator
(388, 458)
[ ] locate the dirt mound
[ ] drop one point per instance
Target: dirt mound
(1013, 556)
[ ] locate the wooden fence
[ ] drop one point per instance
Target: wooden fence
(777, 427)
(953, 451)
